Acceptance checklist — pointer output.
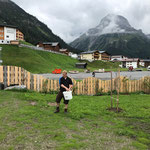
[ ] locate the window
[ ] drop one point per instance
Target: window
(7, 36)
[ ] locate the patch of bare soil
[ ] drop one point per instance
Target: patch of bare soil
(33, 103)
(114, 109)
(52, 104)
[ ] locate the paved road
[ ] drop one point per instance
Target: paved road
(102, 76)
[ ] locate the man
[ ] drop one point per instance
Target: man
(65, 85)
(93, 74)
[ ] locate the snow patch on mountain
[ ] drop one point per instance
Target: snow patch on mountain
(111, 24)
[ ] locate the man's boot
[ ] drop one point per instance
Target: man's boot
(66, 111)
(57, 110)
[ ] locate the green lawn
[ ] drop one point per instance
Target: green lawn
(28, 122)
(45, 62)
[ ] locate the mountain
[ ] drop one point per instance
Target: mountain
(115, 35)
(148, 35)
(33, 29)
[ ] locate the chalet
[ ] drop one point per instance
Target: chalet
(9, 33)
(130, 62)
(104, 56)
(90, 55)
(64, 51)
(118, 58)
(19, 35)
(53, 46)
(95, 55)
(145, 62)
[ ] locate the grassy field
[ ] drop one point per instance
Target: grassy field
(45, 62)
(27, 122)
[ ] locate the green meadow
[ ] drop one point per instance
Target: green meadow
(27, 122)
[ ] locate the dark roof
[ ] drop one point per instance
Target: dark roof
(81, 63)
(90, 52)
(145, 60)
(117, 55)
(51, 43)
(10, 26)
(101, 52)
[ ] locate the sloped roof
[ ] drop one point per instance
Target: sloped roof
(9, 26)
(130, 59)
(81, 63)
(91, 52)
(101, 52)
(51, 43)
(63, 50)
(145, 60)
(88, 52)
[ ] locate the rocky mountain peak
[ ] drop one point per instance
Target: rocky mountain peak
(112, 24)
(148, 35)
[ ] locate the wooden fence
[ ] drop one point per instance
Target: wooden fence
(10, 75)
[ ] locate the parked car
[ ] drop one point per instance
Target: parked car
(148, 68)
(139, 69)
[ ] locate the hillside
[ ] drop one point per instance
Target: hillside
(115, 35)
(33, 29)
(35, 61)
(45, 62)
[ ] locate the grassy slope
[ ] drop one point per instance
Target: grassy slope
(87, 126)
(26, 43)
(35, 61)
(45, 62)
(101, 64)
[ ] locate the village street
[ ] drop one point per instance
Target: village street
(104, 76)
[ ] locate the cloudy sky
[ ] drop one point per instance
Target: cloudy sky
(70, 18)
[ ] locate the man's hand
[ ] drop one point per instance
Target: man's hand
(67, 89)
(70, 89)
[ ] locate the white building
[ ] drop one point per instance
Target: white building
(131, 62)
(145, 63)
(7, 34)
(118, 58)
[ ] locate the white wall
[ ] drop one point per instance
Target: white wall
(9, 34)
(133, 64)
(4, 42)
(142, 64)
(87, 57)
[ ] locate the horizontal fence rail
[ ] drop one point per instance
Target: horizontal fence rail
(11, 75)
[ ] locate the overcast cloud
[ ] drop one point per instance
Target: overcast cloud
(70, 18)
